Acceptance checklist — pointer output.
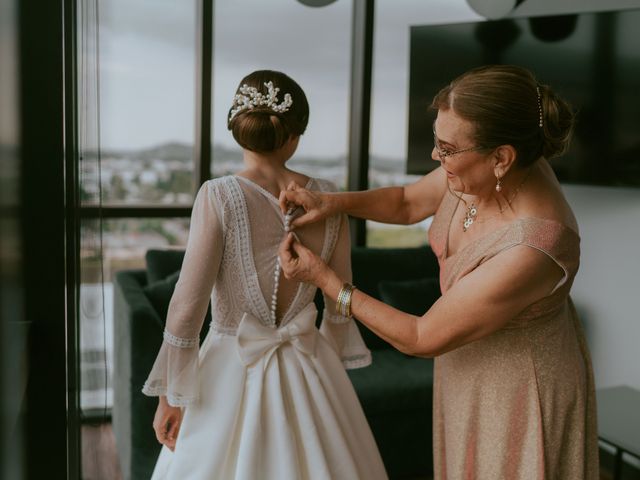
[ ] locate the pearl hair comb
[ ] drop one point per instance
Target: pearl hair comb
(250, 98)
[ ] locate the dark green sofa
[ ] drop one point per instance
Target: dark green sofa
(395, 391)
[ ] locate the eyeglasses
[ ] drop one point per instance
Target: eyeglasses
(443, 152)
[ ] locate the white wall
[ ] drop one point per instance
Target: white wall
(606, 290)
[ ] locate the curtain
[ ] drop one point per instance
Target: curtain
(95, 328)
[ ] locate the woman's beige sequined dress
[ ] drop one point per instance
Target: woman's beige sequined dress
(519, 403)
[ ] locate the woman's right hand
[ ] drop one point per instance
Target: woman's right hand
(166, 423)
(316, 205)
(301, 264)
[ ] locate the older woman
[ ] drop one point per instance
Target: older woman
(513, 391)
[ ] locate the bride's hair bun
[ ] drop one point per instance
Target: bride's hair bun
(263, 123)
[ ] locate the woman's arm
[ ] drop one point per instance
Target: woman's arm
(174, 373)
(400, 205)
(477, 305)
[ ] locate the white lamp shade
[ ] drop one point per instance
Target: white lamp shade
(316, 3)
(493, 9)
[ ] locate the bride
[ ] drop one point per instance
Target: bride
(265, 396)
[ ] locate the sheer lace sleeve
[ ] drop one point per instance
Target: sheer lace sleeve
(342, 332)
(174, 372)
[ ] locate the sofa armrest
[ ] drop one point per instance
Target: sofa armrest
(137, 338)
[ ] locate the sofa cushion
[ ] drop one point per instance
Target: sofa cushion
(159, 294)
(410, 296)
(373, 265)
(394, 382)
(162, 263)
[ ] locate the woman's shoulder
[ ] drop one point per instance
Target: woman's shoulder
(548, 230)
(549, 236)
(217, 182)
(222, 180)
(545, 205)
(322, 184)
(222, 190)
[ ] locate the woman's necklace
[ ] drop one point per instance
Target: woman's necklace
(472, 210)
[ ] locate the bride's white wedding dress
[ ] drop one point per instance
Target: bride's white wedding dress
(263, 400)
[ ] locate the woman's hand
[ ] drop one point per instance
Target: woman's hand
(166, 423)
(316, 205)
(301, 264)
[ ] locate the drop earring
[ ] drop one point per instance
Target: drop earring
(498, 184)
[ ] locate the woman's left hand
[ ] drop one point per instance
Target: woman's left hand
(166, 423)
(299, 263)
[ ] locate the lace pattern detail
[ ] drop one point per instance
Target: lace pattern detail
(222, 303)
(174, 400)
(333, 224)
(178, 341)
(243, 239)
(229, 296)
(356, 361)
(223, 329)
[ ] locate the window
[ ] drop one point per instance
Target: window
(389, 104)
(107, 247)
(136, 66)
(312, 46)
(147, 101)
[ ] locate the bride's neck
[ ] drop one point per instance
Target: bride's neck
(268, 170)
(271, 161)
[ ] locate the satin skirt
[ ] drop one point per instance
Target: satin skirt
(289, 415)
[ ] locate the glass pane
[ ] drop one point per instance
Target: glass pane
(136, 97)
(313, 46)
(381, 235)
(121, 245)
(147, 101)
(389, 104)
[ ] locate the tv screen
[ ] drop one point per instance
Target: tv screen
(592, 60)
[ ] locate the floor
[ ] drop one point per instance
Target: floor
(100, 459)
(99, 456)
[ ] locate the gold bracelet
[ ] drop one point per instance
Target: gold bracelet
(343, 302)
(339, 300)
(348, 302)
(342, 299)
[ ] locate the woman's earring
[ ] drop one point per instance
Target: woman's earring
(498, 184)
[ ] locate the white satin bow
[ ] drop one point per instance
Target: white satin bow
(256, 340)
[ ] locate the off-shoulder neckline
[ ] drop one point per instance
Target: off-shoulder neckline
(446, 256)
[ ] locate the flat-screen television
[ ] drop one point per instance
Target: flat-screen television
(591, 59)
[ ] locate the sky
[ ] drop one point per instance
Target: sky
(148, 52)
